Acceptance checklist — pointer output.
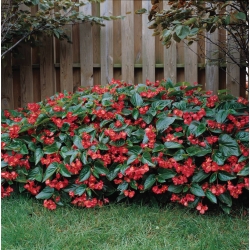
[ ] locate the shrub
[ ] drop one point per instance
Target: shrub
(155, 140)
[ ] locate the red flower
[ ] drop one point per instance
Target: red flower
(201, 208)
(51, 205)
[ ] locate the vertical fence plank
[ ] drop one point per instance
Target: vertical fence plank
(7, 98)
(47, 69)
(148, 47)
(127, 27)
(233, 71)
(212, 56)
(191, 65)
(86, 49)
(170, 56)
(106, 9)
(26, 76)
(66, 62)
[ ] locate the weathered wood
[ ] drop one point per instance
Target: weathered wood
(66, 62)
(191, 67)
(47, 69)
(233, 70)
(212, 64)
(86, 48)
(127, 28)
(137, 35)
(170, 56)
(7, 98)
(26, 76)
(148, 47)
(106, 44)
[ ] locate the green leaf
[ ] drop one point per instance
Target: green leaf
(65, 127)
(182, 31)
(218, 157)
(199, 176)
(99, 168)
(84, 157)
(38, 155)
(24, 150)
(141, 11)
(171, 144)
(149, 182)
(80, 190)
(241, 16)
(46, 193)
(36, 174)
(4, 164)
(243, 136)
(196, 128)
(136, 100)
(244, 171)
(146, 159)
(77, 141)
(85, 173)
(50, 170)
(225, 176)
(64, 171)
(147, 118)
(228, 146)
(41, 118)
(166, 173)
(211, 196)
(225, 208)
(198, 151)
(131, 159)
(161, 104)
(158, 148)
(102, 146)
(133, 184)
(213, 177)
(163, 123)
(113, 173)
(123, 186)
(226, 198)
(53, 148)
(135, 114)
(134, 150)
(221, 115)
(180, 155)
(175, 189)
(197, 190)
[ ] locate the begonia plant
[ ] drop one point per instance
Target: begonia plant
(172, 143)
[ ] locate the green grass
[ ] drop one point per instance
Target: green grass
(26, 224)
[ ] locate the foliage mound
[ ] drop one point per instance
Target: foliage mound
(156, 141)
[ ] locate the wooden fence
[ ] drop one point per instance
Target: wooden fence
(124, 49)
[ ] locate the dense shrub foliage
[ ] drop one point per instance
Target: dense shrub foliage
(155, 141)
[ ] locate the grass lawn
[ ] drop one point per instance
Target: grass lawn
(26, 224)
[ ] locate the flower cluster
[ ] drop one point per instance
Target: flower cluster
(174, 142)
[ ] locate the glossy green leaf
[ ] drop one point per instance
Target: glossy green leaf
(197, 190)
(149, 182)
(50, 170)
(226, 198)
(225, 176)
(53, 148)
(64, 171)
(46, 193)
(163, 123)
(244, 171)
(80, 190)
(38, 155)
(213, 177)
(228, 146)
(171, 144)
(175, 188)
(134, 150)
(136, 100)
(211, 196)
(85, 173)
(77, 141)
(36, 174)
(166, 173)
(199, 176)
(146, 159)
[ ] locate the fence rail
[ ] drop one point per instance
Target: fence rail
(124, 49)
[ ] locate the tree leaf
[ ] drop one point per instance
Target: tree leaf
(228, 146)
(46, 193)
(182, 31)
(149, 182)
(197, 190)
